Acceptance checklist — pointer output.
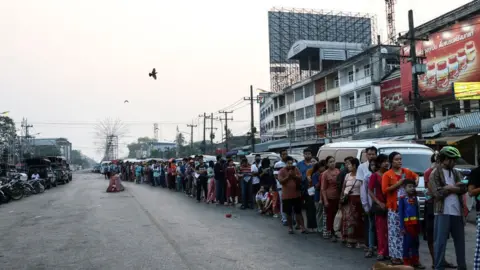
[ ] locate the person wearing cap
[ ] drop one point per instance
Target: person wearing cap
(447, 189)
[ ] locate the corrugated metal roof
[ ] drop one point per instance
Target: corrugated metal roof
(403, 129)
(446, 140)
(461, 121)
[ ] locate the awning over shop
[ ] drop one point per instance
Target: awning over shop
(399, 130)
(453, 140)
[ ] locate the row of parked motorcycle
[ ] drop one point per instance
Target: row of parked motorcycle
(16, 186)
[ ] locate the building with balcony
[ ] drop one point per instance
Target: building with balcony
(291, 112)
(347, 96)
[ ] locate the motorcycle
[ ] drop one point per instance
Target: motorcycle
(13, 189)
(36, 186)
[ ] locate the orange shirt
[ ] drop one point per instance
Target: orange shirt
(389, 179)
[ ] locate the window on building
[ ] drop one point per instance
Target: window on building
(335, 129)
(309, 90)
(352, 127)
(336, 105)
(311, 132)
(300, 114)
(299, 94)
(309, 111)
(368, 97)
(350, 76)
(366, 70)
(351, 102)
(369, 123)
(336, 83)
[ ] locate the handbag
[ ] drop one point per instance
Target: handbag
(377, 210)
(344, 199)
(337, 222)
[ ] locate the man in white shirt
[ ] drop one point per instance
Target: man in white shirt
(363, 174)
(255, 179)
(447, 189)
(276, 168)
(35, 176)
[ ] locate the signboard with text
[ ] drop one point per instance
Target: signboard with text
(451, 56)
(466, 90)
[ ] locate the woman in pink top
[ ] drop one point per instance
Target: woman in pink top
(352, 207)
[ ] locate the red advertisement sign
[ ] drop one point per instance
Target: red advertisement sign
(392, 108)
(450, 57)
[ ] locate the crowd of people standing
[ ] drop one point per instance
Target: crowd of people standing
(371, 205)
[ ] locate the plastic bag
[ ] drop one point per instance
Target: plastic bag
(337, 223)
(311, 191)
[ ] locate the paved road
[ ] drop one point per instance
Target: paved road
(79, 226)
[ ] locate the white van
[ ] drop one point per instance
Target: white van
(415, 157)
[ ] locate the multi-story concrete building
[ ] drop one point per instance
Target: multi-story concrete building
(347, 96)
(61, 144)
(344, 98)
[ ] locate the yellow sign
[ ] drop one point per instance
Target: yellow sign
(466, 90)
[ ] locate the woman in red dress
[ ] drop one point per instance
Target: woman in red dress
(231, 175)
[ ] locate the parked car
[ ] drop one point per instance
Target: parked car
(415, 157)
(43, 167)
(60, 169)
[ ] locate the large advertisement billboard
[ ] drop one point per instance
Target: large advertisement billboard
(392, 108)
(450, 57)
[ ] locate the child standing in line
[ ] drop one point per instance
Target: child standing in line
(259, 199)
(410, 225)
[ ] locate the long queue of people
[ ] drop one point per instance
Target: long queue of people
(371, 205)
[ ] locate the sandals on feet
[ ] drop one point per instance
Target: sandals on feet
(396, 261)
(369, 254)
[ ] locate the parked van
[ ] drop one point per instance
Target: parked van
(415, 157)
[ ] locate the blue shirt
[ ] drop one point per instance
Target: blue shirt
(315, 181)
(303, 167)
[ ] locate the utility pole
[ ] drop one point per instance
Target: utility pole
(226, 127)
(417, 69)
(204, 142)
(211, 128)
(252, 123)
(26, 126)
(191, 134)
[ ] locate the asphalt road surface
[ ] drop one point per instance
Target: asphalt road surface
(80, 226)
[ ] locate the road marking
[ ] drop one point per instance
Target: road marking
(38, 216)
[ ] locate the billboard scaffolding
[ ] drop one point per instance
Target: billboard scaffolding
(288, 25)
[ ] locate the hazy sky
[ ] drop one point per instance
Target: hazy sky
(65, 65)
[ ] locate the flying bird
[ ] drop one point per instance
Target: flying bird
(126, 101)
(153, 74)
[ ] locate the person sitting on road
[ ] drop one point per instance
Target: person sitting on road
(259, 198)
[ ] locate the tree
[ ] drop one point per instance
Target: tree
(8, 136)
(78, 158)
(109, 133)
(141, 144)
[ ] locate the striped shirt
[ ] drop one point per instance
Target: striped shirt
(247, 172)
